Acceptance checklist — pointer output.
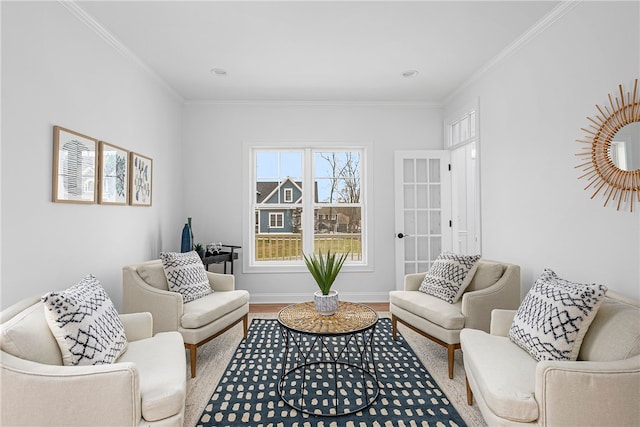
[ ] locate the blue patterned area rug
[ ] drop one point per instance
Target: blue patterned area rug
(247, 394)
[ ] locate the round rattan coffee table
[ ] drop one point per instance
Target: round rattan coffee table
(328, 367)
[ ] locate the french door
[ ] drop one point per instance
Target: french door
(422, 210)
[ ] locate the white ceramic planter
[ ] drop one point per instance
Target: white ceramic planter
(326, 304)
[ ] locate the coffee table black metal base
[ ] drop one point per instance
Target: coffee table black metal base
(329, 373)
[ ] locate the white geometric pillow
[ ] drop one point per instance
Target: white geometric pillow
(186, 274)
(555, 316)
(449, 276)
(85, 324)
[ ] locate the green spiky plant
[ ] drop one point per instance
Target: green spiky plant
(325, 269)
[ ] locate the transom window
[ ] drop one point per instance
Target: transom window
(306, 200)
(462, 130)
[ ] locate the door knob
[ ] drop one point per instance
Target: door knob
(400, 235)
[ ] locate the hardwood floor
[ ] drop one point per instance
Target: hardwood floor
(274, 308)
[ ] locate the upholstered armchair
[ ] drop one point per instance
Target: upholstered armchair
(145, 288)
(146, 385)
(494, 285)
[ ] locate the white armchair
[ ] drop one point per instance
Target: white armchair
(601, 388)
(494, 285)
(145, 386)
(145, 288)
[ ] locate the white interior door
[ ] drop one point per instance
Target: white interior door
(422, 210)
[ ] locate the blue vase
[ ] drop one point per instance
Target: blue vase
(187, 242)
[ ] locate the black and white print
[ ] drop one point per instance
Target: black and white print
(554, 317)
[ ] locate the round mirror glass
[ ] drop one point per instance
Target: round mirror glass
(625, 147)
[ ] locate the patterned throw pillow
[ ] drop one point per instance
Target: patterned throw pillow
(449, 276)
(554, 317)
(186, 274)
(85, 324)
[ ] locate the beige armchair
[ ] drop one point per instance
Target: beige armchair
(145, 288)
(494, 285)
(601, 388)
(145, 386)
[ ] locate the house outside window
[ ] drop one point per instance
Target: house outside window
(307, 200)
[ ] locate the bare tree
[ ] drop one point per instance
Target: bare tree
(344, 186)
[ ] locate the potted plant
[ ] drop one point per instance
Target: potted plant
(325, 269)
(199, 249)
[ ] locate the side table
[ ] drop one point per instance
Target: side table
(328, 367)
(223, 256)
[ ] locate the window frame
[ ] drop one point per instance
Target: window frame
(249, 264)
(279, 218)
(288, 195)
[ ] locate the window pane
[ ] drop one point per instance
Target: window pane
(277, 165)
(464, 129)
(337, 177)
(455, 133)
(421, 170)
(338, 229)
(278, 235)
(408, 170)
(278, 187)
(434, 170)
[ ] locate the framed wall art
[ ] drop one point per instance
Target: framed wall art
(141, 180)
(113, 187)
(74, 167)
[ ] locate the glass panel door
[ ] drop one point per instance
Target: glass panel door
(423, 210)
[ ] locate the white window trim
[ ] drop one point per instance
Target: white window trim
(279, 217)
(367, 199)
(288, 195)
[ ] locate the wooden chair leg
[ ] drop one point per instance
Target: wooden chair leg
(469, 392)
(394, 326)
(451, 349)
(245, 322)
(192, 358)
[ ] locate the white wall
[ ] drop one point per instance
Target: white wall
(56, 71)
(213, 162)
(535, 212)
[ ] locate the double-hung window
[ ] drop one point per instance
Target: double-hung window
(306, 200)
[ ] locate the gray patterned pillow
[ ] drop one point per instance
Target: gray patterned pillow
(449, 276)
(554, 317)
(85, 324)
(186, 274)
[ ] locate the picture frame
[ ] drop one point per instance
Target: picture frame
(140, 180)
(113, 187)
(75, 161)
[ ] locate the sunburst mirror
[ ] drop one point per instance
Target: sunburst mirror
(611, 150)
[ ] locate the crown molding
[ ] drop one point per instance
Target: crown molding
(116, 44)
(549, 19)
(300, 103)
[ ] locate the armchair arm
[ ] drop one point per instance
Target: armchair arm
(412, 281)
(501, 321)
(164, 306)
(586, 393)
(37, 394)
(505, 293)
(221, 282)
(137, 326)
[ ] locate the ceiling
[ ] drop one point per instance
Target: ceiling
(353, 51)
